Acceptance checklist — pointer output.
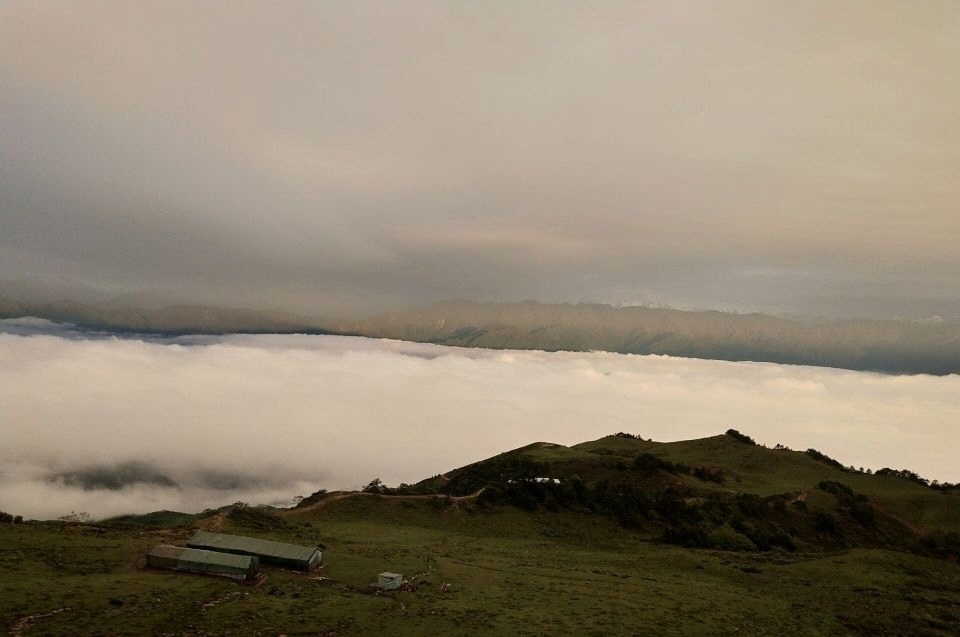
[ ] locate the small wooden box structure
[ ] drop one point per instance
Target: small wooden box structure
(389, 581)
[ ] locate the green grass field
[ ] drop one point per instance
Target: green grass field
(510, 571)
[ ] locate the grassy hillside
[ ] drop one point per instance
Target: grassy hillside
(521, 568)
(719, 492)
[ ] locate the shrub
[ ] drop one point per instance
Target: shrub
(944, 487)
(836, 488)
(313, 498)
(242, 514)
(826, 522)
(827, 460)
(375, 486)
(863, 514)
(726, 537)
(739, 437)
(943, 544)
(765, 535)
(687, 535)
(903, 473)
(648, 464)
(706, 474)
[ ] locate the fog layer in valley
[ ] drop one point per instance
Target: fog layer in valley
(106, 425)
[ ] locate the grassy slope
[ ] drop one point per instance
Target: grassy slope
(750, 469)
(766, 471)
(512, 572)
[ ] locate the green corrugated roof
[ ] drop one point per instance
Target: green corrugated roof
(251, 545)
(213, 558)
(167, 551)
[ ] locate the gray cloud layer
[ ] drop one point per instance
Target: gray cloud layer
(355, 156)
(294, 413)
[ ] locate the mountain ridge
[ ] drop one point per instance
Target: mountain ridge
(886, 346)
(865, 345)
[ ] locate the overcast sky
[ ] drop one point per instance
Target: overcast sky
(290, 414)
(333, 157)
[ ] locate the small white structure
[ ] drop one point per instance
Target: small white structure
(389, 581)
(537, 480)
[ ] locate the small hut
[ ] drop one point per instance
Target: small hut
(238, 567)
(389, 581)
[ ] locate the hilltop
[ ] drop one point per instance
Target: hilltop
(720, 492)
(617, 536)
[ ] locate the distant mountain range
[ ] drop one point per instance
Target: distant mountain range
(169, 320)
(890, 346)
(885, 346)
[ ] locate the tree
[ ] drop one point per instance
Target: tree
(375, 486)
(739, 437)
(73, 516)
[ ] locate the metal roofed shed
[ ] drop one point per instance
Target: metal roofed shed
(389, 581)
(294, 556)
(239, 567)
(164, 556)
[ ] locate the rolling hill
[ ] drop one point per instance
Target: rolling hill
(718, 492)
(618, 536)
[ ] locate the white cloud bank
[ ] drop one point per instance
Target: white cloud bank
(295, 413)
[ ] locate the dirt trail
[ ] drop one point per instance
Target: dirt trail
(322, 503)
(919, 530)
(217, 600)
(453, 498)
(316, 506)
(214, 523)
(22, 624)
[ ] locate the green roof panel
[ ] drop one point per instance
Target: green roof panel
(214, 558)
(269, 551)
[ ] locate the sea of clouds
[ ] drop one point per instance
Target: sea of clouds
(263, 418)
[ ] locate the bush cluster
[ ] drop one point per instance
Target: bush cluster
(903, 473)
(739, 437)
(8, 518)
(260, 518)
(827, 460)
(647, 464)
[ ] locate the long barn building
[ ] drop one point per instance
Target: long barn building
(293, 556)
(239, 567)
